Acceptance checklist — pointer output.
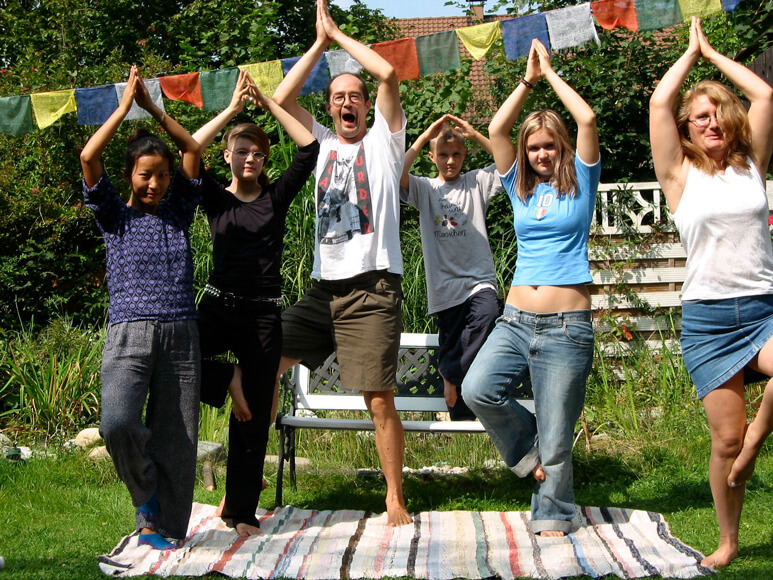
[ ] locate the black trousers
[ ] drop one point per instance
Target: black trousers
(462, 331)
(253, 332)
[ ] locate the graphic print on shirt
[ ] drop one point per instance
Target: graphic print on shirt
(450, 224)
(343, 199)
(544, 201)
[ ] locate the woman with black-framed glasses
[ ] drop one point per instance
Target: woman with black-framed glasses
(240, 310)
(710, 158)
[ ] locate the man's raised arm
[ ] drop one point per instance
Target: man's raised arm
(286, 94)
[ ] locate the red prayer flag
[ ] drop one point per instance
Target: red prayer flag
(401, 54)
(185, 87)
(614, 13)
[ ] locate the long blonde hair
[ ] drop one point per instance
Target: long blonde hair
(564, 178)
(736, 129)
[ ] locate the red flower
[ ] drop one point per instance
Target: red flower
(770, 220)
(627, 333)
(35, 191)
(142, 42)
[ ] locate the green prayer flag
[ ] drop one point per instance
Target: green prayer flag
(438, 53)
(654, 14)
(217, 87)
(15, 115)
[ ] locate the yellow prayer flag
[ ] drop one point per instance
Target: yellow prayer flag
(479, 39)
(48, 107)
(267, 75)
(699, 8)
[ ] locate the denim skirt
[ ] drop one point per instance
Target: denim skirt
(720, 337)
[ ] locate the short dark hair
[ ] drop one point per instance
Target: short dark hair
(143, 142)
(365, 91)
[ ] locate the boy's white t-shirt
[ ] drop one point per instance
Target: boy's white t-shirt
(452, 217)
(357, 227)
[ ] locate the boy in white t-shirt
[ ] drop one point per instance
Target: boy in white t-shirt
(461, 279)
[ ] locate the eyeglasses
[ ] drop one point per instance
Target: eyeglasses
(339, 98)
(703, 121)
(243, 154)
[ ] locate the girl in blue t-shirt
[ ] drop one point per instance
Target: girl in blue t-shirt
(152, 344)
(545, 331)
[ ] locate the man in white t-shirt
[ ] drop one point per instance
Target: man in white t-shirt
(461, 279)
(353, 306)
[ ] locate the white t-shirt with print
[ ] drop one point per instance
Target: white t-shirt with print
(357, 229)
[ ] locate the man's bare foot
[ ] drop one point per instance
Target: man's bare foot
(551, 534)
(538, 473)
(246, 530)
(240, 407)
(721, 558)
(743, 466)
(398, 516)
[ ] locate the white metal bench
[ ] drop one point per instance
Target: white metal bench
(420, 390)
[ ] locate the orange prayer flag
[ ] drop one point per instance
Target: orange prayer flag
(401, 54)
(613, 13)
(185, 87)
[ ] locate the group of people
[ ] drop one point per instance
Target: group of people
(159, 345)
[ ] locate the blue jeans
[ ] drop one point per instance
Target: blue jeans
(556, 350)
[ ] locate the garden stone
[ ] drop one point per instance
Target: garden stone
(211, 451)
(99, 453)
(300, 462)
(88, 438)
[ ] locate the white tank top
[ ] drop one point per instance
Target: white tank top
(723, 223)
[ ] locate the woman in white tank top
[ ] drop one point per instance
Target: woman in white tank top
(710, 158)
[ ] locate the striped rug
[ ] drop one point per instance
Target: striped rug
(324, 545)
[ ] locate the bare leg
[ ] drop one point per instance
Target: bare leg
(760, 428)
(726, 413)
(285, 364)
(390, 444)
(240, 407)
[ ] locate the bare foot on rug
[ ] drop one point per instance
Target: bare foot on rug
(743, 466)
(246, 530)
(551, 534)
(538, 473)
(397, 515)
(721, 558)
(240, 407)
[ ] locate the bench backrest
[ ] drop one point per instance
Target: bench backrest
(420, 386)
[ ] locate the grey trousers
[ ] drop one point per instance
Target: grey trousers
(158, 362)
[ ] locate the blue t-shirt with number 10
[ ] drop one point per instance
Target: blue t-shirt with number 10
(552, 230)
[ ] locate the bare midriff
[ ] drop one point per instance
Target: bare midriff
(546, 299)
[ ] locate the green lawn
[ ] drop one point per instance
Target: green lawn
(61, 512)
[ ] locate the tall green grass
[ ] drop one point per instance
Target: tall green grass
(50, 381)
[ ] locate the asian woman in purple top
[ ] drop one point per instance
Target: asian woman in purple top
(152, 345)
